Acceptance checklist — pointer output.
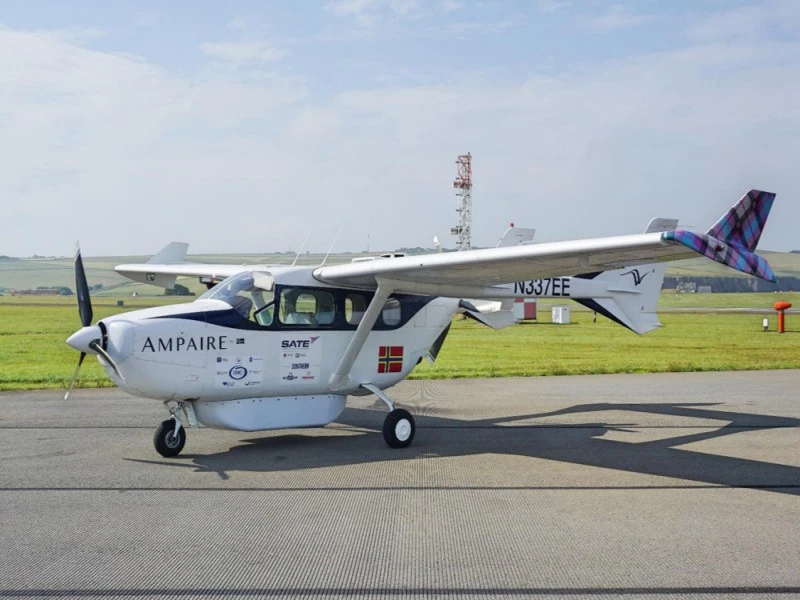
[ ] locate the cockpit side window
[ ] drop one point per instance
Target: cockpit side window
(306, 307)
(264, 315)
(249, 293)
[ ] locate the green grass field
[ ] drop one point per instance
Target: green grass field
(33, 354)
(687, 342)
(669, 300)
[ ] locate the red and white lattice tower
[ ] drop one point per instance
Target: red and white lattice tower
(463, 186)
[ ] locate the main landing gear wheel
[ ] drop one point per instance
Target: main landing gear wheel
(165, 440)
(399, 428)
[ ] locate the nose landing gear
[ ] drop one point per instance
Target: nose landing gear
(170, 436)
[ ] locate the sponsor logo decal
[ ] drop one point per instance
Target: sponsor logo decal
(390, 359)
(637, 277)
(304, 343)
(300, 358)
(237, 372)
(231, 371)
(185, 344)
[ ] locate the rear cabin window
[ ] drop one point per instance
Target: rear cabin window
(391, 312)
(355, 305)
(306, 308)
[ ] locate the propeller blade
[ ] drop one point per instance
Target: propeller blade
(94, 345)
(75, 376)
(82, 290)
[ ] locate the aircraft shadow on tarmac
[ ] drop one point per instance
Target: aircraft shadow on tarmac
(356, 439)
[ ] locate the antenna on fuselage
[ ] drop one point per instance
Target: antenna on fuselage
(300, 251)
(336, 237)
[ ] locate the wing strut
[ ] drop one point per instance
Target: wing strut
(341, 376)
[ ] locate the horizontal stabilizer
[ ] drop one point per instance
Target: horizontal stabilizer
(489, 314)
(161, 280)
(495, 320)
(630, 297)
(172, 253)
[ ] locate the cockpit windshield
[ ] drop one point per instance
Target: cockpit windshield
(250, 293)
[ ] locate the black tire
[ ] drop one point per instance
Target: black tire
(399, 428)
(166, 443)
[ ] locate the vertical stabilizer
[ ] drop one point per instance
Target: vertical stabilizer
(733, 239)
(174, 252)
(742, 225)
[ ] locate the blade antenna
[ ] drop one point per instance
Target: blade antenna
(336, 237)
(300, 251)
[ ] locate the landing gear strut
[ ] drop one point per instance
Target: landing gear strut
(399, 426)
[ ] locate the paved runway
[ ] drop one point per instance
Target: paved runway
(633, 486)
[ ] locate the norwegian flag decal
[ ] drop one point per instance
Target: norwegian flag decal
(390, 359)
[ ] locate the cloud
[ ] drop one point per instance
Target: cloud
(549, 7)
(461, 28)
(768, 19)
(368, 12)
(343, 8)
(448, 6)
(616, 17)
(147, 17)
(244, 51)
(127, 155)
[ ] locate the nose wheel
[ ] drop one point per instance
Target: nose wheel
(169, 438)
(399, 428)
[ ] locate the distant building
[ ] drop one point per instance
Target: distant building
(58, 291)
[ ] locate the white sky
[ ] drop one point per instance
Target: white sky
(239, 126)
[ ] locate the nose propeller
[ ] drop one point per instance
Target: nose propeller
(87, 339)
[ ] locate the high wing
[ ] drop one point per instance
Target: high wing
(730, 241)
(503, 265)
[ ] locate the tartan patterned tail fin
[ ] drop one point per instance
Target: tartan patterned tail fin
(733, 238)
(742, 225)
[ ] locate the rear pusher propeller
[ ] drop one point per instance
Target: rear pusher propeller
(98, 344)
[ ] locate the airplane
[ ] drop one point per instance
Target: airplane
(283, 347)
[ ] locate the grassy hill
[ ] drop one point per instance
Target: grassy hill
(30, 273)
(785, 264)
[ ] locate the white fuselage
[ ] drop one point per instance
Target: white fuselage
(242, 375)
